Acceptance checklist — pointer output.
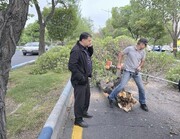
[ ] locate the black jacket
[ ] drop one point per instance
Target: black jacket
(78, 64)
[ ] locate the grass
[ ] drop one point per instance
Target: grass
(31, 98)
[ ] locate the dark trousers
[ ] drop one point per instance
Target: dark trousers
(82, 99)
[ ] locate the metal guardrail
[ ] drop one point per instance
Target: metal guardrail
(54, 123)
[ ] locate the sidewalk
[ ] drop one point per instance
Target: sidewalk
(161, 122)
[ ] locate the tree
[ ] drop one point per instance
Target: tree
(42, 20)
(13, 19)
(109, 30)
(63, 23)
(84, 25)
(170, 12)
(121, 18)
(140, 21)
(42, 23)
(146, 22)
(30, 33)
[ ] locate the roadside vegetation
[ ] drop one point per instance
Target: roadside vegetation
(157, 64)
(33, 90)
(30, 99)
(56, 60)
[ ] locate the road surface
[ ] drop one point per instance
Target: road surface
(161, 122)
(18, 58)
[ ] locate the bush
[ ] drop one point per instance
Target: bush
(178, 55)
(107, 49)
(157, 63)
(56, 59)
(174, 74)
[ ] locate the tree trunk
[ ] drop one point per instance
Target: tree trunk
(42, 23)
(13, 20)
(175, 46)
(42, 39)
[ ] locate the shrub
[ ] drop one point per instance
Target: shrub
(157, 63)
(174, 74)
(178, 55)
(107, 49)
(55, 59)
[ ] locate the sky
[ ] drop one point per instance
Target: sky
(100, 10)
(97, 10)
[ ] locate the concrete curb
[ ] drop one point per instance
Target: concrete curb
(22, 64)
(55, 122)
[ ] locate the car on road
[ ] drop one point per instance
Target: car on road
(32, 48)
(164, 48)
(157, 48)
(178, 48)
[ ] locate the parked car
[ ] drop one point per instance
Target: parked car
(157, 48)
(178, 48)
(164, 48)
(32, 48)
(149, 48)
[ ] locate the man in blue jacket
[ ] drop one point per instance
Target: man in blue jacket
(80, 65)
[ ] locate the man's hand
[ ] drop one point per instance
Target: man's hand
(119, 66)
(139, 68)
(91, 45)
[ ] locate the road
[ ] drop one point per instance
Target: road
(18, 58)
(161, 122)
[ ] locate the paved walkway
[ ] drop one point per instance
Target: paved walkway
(161, 122)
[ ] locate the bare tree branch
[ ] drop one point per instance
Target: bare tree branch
(40, 19)
(51, 13)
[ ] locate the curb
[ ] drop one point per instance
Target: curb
(22, 64)
(54, 123)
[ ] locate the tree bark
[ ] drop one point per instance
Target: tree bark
(175, 46)
(12, 22)
(42, 39)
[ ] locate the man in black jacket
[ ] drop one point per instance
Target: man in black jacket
(80, 65)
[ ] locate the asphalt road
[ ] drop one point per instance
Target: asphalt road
(161, 122)
(18, 58)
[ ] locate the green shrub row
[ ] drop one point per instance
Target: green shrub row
(174, 73)
(55, 59)
(158, 63)
(105, 49)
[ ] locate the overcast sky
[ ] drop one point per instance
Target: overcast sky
(97, 10)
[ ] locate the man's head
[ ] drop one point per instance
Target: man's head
(142, 43)
(85, 39)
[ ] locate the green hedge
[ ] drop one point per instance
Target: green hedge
(107, 49)
(158, 62)
(56, 59)
(174, 73)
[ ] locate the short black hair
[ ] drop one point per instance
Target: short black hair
(84, 35)
(142, 40)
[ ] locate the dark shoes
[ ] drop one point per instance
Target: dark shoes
(81, 124)
(87, 115)
(110, 102)
(144, 107)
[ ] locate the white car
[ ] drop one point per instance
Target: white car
(166, 48)
(178, 48)
(31, 48)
